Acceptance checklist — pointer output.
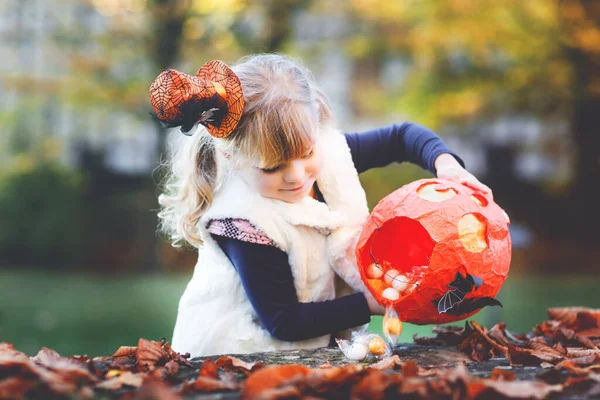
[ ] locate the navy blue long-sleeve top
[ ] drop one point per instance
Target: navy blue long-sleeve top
(265, 272)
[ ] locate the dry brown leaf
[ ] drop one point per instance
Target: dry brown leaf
(19, 365)
(125, 352)
(487, 388)
(442, 389)
(81, 359)
(271, 377)
(414, 388)
(520, 356)
(498, 334)
(330, 380)
(13, 387)
(10, 356)
(175, 356)
(149, 353)
(156, 390)
(410, 369)
(126, 378)
(208, 369)
(560, 348)
(544, 352)
(172, 367)
(586, 341)
(502, 375)
(547, 328)
(205, 384)
(498, 347)
(576, 318)
(284, 392)
(576, 352)
(590, 333)
(586, 360)
(169, 369)
(586, 385)
(479, 348)
(387, 363)
(70, 369)
(573, 368)
(374, 384)
(234, 364)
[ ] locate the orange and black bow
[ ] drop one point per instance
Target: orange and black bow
(213, 98)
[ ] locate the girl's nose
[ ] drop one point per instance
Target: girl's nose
(295, 172)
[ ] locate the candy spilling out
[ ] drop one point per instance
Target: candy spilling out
(392, 283)
(392, 326)
(365, 347)
(371, 347)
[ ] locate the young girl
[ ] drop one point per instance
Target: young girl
(267, 189)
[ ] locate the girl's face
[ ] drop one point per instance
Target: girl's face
(289, 182)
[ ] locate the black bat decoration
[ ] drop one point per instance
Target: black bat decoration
(453, 301)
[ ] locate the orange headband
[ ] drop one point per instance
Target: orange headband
(213, 97)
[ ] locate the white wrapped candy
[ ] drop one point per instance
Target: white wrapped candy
(357, 352)
(390, 275)
(400, 283)
(364, 347)
(391, 294)
(374, 271)
(353, 350)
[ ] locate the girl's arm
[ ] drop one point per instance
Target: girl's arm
(409, 142)
(267, 279)
(397, 143)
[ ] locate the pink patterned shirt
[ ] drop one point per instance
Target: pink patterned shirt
(239, 229)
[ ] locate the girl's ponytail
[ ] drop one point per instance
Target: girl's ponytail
(189, 187)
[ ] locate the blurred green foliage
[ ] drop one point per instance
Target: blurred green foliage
(380, 182)
(94, 315)
(41, 213)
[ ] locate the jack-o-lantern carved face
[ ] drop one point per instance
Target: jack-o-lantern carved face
(435, 250)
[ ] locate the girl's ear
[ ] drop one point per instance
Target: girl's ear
(226, 154)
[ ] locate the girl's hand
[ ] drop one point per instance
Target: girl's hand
(447, 167)
(374, 306)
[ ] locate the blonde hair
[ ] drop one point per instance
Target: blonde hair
(284, 111)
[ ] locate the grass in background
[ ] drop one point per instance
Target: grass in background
(75, 314)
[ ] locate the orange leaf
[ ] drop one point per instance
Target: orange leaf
(125, 352)
(15, 387)
(175, 356)
(205, 384)
(233, 364)
(271, 378)
(576, 318)
(149, 353)
(209, 369)
(328, 380)
(374, 384)
(126, 378)
(387, 363)
(488, 388)
(502, 375)
(410, 369)
(70, 369)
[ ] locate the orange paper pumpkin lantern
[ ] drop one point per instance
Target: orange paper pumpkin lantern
(435, 250)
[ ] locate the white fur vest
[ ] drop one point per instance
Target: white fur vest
(215, 315)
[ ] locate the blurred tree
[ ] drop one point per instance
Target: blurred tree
(475, 60)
